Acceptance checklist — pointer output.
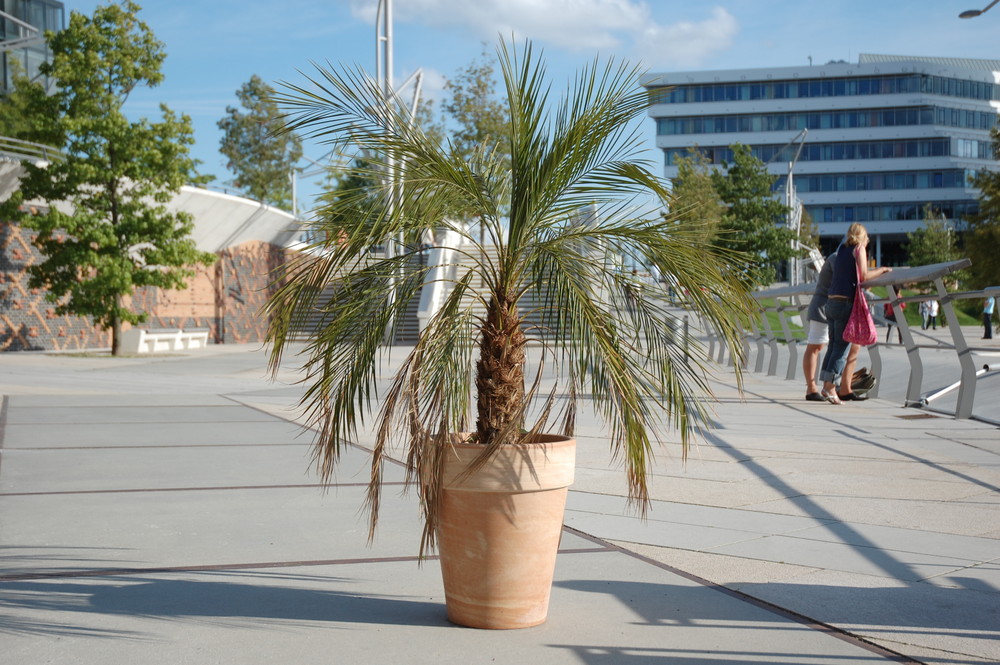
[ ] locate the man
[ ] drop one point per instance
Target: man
(988, 317)
(819, 331)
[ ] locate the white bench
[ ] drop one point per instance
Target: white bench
(137, 340)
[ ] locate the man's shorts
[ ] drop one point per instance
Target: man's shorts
(819, 333)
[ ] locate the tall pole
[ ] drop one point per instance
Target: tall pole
(384, 65)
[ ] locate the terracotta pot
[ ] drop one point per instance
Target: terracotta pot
(499, 531)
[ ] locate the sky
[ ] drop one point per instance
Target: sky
(215, 46)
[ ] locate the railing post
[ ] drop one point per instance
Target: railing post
(722, 348)
(915, 382)
(967, 389)
(790, 342)
(772, 365)
(876, 358)
(759, 338)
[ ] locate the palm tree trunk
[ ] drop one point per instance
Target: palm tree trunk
(500, 374)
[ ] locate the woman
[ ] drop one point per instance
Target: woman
(851, 258)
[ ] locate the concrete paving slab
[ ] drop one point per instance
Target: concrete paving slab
(61, 435)
(720, 568)
(146, 468)
(86, 532)
(18, 402)
(663, 534)
(984, 577)
(958, 518)
(912, 617)
(861, 559)
(941, 625)
(892, 539)
(82, 416)
(888, 487)
(662, 513)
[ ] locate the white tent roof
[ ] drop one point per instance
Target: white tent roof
(220, 220)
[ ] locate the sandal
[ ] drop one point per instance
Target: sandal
(815, 397)
(831, 397)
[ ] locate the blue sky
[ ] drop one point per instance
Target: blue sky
(214, 46)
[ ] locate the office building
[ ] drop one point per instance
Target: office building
(885, 137)
(23, 24)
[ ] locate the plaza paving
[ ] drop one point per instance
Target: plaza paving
(164, 510)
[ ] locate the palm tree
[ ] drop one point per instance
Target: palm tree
(604, 337)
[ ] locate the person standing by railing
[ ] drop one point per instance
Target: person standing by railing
(988, 306)
(851, 262)
(819, 330)
(890, 317)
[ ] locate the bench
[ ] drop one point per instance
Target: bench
(137, 340)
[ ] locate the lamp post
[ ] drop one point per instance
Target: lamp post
(973, 13)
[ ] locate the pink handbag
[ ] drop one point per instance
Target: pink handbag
(860, 327)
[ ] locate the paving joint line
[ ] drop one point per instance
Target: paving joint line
(160, 446)
(196, 489)
(159, 570)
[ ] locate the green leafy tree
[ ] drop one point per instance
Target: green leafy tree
(470, 115)
(566, 155)
(26, 110)
(105, 230)
(808, 230)
(695, 198)
(934, 242)
(349, 195)
(476, 115)
(260, 155)
(983, 235)
(754, 223)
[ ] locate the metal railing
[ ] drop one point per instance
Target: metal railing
(18, 150)
(786, 303)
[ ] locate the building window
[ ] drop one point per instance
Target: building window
(877, 181)
(828, 87)
(893, 212)
(778, 122)
(42, 14)
(845, 150)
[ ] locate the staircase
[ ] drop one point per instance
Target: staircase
(407, 329)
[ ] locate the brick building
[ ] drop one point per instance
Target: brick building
(249, 239)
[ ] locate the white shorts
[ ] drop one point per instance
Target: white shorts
(819, 333)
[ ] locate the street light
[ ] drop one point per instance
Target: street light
(973, 13)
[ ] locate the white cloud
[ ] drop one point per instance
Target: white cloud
(626, 27)
(687, 44)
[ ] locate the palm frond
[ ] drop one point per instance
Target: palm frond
(623, 348)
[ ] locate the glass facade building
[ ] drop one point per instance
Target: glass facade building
(23, 24)
(887, 137)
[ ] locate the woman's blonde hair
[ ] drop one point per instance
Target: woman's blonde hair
(857, 234)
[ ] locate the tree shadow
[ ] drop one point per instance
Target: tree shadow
(209, 597)
(920, 613)
(604, 655)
